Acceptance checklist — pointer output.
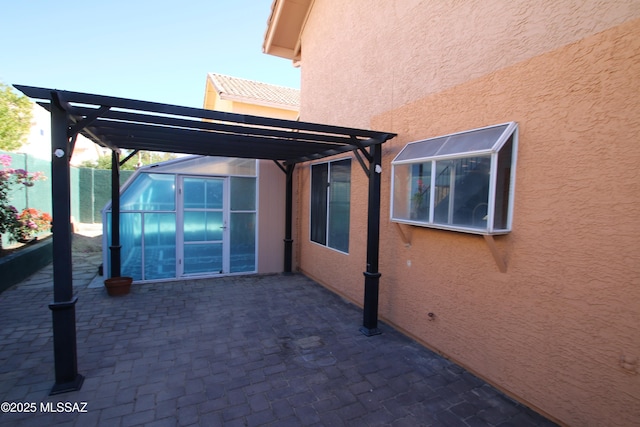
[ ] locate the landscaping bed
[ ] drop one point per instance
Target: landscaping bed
(19, 262)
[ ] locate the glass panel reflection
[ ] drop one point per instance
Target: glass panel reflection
(243, 194)
(159, 245)
(243, 242)
(202, 226)
(202, 193)
(150, 192)
(203, 258)
(339, 204)
(131, 242)
(463, 192)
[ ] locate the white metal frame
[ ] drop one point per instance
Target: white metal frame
(179, 216)
(510, 131)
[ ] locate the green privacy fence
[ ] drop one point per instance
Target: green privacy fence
(94, 191)
(38, 196)
(90, 188)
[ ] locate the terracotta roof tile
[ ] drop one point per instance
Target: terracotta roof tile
(235, 88)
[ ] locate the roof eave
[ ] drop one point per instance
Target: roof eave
(284, 28)
(260, 102)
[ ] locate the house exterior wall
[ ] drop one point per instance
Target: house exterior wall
(271, 217)
(213, 101)
(559, 330)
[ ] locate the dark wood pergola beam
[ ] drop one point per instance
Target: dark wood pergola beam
(140, 125)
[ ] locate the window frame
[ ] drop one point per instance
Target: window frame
(327, 207)
(489, 148)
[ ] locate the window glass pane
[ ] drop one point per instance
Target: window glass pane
(159, 245)
(243, 242)
(193, 193)
(319, 182)
(203, 193)
(150, 192)
(339, 204)
(419, 190)
(243, 194)
(443, 188)
(203, 258)
(483, 139)
(131, 242)
(462, 192)
(420, 149)
(201, 226)
(503, 185)
(401, 191)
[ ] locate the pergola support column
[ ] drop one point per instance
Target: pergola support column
(288, 239)
(115, 214)
(372, 275)
(63, 306)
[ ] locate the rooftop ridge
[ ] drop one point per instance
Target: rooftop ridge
(236, 88)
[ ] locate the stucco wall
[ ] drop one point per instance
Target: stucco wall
(560, 329)
(271, 217)
(408, 49)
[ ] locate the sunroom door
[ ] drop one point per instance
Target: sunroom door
(204, 226)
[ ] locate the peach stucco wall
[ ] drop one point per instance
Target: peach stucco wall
(408, 49)
(271, 217)
(560, 330)
(213, 101)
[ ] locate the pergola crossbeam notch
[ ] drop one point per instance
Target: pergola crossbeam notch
(281, 166)
(87, 120)
(361, 161)
(126, 159)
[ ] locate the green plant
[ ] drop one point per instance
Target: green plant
(418, 197)
(31, 222)
(15, 118)
(10, 220)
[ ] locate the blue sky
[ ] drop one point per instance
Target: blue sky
(150, 50)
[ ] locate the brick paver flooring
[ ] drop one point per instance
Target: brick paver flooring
(236, 351)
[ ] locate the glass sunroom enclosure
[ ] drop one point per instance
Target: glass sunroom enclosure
(194, 216)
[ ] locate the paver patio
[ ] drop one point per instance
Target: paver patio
(237, 351)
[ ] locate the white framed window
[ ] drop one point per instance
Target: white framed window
(331, 204)
(461, 182)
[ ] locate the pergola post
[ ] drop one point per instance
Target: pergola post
(372, 275)
(63, 306)
(288, 239)
(115, 214)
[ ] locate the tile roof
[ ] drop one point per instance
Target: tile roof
(234, 88)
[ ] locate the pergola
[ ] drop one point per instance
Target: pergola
(120, 123)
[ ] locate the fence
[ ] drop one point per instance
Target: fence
(90, 188)
(94, 191)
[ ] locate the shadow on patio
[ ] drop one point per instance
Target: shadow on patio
(253, 350)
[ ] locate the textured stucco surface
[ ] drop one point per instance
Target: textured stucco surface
(365, 60)
(271, 212)
(560, 330)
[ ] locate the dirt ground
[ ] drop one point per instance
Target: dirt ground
(87, 238)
